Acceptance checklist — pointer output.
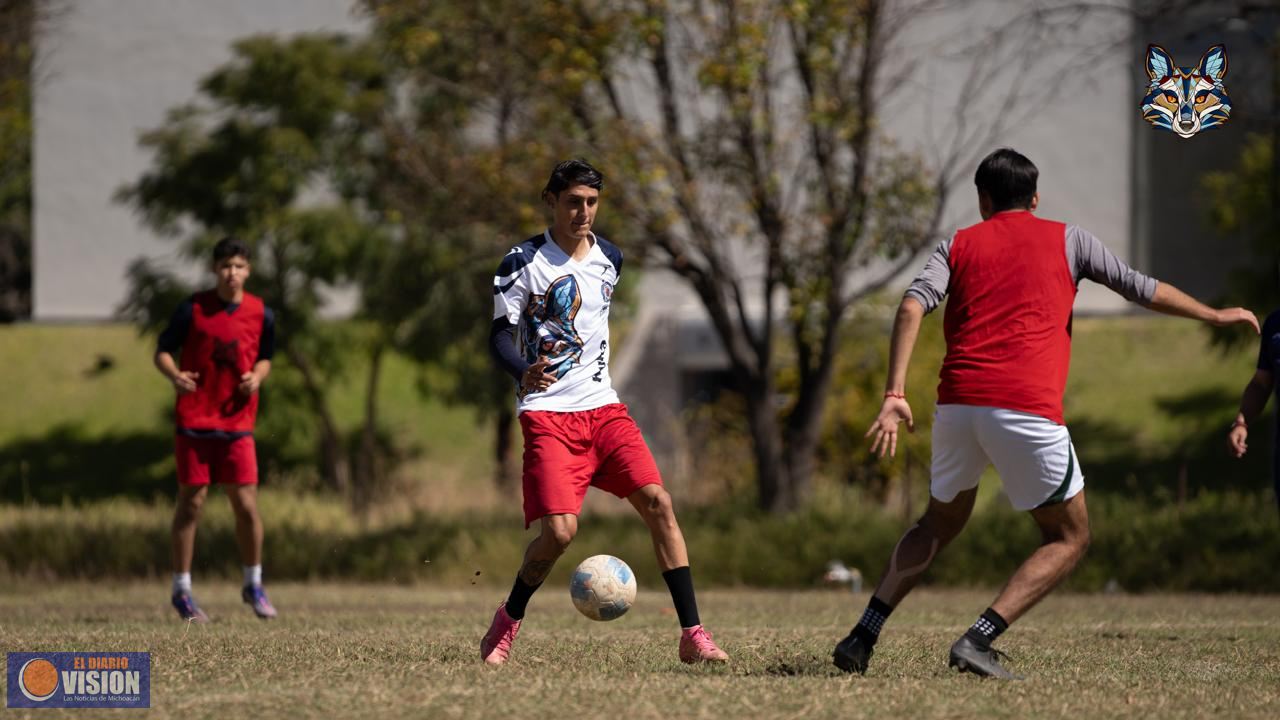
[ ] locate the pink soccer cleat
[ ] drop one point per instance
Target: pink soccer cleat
(697, 646)
(495, 646)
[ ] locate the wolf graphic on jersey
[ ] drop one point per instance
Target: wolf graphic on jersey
(1186, 100)
(548, 328)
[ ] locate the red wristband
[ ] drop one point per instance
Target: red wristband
(899, 396)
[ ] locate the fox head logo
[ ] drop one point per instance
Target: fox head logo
(1186, 100)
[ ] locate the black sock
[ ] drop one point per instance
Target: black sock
(868, 628)
(987, 629)
(519, 598)
(680, 583)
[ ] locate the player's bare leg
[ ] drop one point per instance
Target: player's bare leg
(244, 504)
(653, 503)
(1065, 530)
(541, 555)
(556, 532)
(186, 516)
(940, 524)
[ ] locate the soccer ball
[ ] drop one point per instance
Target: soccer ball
(602, 587)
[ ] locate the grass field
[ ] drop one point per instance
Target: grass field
(384, 651)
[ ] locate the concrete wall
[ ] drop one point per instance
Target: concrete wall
(108, 70)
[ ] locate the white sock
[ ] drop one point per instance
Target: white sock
(252, 574)
(182, 583)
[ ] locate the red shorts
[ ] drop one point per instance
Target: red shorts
(567, 452)
(227, 462)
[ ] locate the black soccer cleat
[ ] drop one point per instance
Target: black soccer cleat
(966, 656)
(852, 654)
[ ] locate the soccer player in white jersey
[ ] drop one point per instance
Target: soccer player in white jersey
(554, 291)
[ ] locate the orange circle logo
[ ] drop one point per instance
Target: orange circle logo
(38, 679)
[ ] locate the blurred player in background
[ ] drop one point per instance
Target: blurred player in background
(1254, 399)
(217, 351)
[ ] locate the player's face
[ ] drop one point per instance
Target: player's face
(232, 272)
(575, 211)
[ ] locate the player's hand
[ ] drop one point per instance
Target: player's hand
(536, 378)
(885, 428)
(1237, 439)
(1236, 316)
(185, 381)
(249, 383)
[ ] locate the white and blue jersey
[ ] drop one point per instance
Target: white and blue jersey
(560, 308)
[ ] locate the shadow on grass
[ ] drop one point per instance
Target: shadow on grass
(1198, 461)
(807, 665)
(67, 463)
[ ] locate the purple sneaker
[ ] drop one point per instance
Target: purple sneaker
(256, 597)
(186, 606)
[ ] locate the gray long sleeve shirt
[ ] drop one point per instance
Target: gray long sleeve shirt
(1087, 258)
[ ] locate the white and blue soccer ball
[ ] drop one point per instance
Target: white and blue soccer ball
(603, 587)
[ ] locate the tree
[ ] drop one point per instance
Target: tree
(465, 165)
(401, 209)
(20, 22)
(745, 143)
(275, 124)
(1242, 201)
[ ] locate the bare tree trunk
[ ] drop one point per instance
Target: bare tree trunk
(332, 468)
(367, 476)
(804, 424)
(799, 454)
(772, 479)
(504, 475)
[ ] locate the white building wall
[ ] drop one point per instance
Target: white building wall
(108, 70)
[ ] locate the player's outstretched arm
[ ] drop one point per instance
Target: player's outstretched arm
(895, 409)
(1252, 403)
(1089, 258)
(1172, 301)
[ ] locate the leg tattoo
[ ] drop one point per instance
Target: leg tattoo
(535, 571)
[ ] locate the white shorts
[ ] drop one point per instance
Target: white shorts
(1033, 455)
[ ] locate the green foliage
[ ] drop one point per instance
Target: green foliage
(18, 21)
(285, 122)
(861, 367)
(1242, 203)
(725, 129)
(1141, 426)
(266, 133)
(1214, 542)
